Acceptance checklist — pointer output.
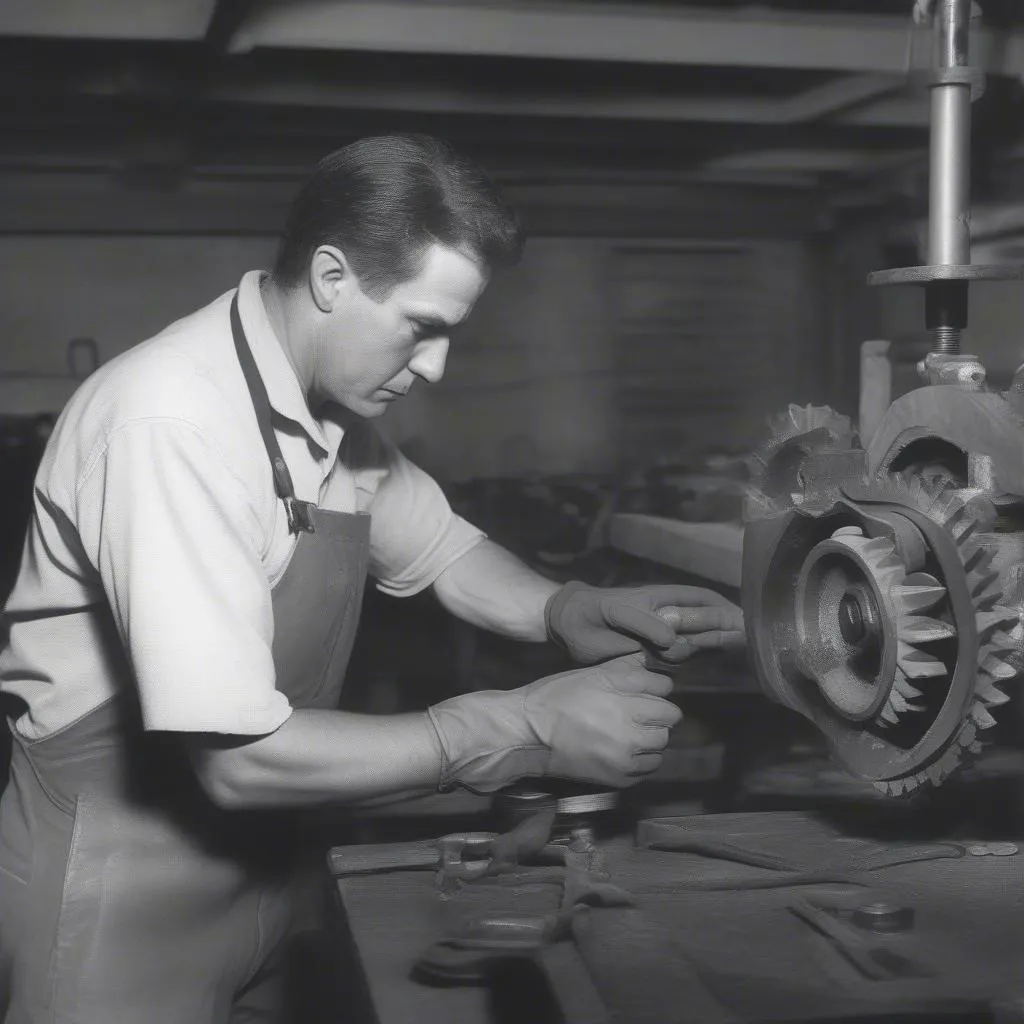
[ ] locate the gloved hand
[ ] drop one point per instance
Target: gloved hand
(607, 724)
(595, 623)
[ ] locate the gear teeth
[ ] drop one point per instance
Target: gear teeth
(917, 664)
(920, 603)
(899, 704)
(902, 686)
(1000, 615)
(919, 629)
(980, 716)
(963, 527)
(989, 694)
(984, 569)
(985, 592)
(890, 564)
(917, 595)
(1004, 642)
(804, 430)
(996, 668)
(801, 419)
(888, 715)
(971, 553)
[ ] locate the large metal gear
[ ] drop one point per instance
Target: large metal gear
(879, 615)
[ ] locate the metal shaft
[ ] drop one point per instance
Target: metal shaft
(949, 237)
(949, 227)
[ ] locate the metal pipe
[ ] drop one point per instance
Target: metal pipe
(949, 212)
(949, 238)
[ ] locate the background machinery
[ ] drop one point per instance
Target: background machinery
(882, 582)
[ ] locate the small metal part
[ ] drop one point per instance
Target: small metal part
(1003, 849)
(957, 368)
(374, 858)
(577, 810)
(589, 803)
(300, 517)
(992, 849)
(883, 917)
(462, 857)
(981, 472)
(519, 802)
(506, 931)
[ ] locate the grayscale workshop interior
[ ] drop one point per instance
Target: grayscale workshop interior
(766, 337)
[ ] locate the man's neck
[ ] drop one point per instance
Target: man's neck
(281, 309)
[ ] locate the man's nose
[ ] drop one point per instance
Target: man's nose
(429, 359)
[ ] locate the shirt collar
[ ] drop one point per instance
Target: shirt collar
(283, 388)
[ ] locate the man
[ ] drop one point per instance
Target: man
(205, 515)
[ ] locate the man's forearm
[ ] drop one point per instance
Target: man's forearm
(489, 587)
(323, 757)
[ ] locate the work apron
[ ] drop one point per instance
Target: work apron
(126, 896)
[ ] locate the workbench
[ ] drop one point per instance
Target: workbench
(711, 551)
(731, 954)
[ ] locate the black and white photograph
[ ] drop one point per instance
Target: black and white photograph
(512, 512)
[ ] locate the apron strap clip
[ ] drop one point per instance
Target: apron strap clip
(299, 518)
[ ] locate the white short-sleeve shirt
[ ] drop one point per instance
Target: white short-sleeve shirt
(156, 535)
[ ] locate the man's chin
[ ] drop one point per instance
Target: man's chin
(372, 408)
(365, 408)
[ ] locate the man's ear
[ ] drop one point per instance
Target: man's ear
(330, 275)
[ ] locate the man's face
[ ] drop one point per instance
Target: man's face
(372, 352)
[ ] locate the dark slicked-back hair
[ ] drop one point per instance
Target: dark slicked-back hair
(382, 201)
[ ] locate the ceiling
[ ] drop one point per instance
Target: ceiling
(798, 94)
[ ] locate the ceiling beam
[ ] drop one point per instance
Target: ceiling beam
(108, 19)
(449, 100)
(808, 160)
(853, 92)
(890, 112)
(96, 204)
(563, 30)
(843, 93)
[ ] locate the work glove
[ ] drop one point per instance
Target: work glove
(607, 725)
(670, 622)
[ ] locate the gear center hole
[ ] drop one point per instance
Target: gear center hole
(858, 618)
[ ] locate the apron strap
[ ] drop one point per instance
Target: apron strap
(299, 517)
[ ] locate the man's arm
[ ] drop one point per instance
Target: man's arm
(489, 587)
(321, 757)
(606, 724)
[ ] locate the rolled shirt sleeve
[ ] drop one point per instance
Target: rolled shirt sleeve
(176, 541)
(414, 534)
